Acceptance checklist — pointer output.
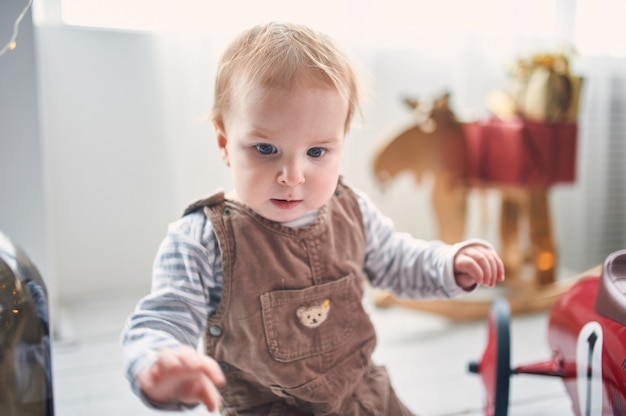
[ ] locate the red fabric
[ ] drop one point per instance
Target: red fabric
(521, 152)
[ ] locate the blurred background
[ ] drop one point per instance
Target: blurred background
(104, 138)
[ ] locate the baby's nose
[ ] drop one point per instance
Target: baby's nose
(292, 173)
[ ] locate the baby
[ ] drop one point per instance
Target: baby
(272, 274)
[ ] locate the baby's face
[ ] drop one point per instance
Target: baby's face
(284, 147)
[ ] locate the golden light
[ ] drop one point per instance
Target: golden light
(544, 261)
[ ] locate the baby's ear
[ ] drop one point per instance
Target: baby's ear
(222, 141)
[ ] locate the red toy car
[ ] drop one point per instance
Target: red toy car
(587, 335)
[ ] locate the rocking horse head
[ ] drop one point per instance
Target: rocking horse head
(433, 143)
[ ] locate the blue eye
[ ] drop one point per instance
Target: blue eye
(265, 149)
(316, 152)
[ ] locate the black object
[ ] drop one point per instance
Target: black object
(25, 355)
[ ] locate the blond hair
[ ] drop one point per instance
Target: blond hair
(278, 55)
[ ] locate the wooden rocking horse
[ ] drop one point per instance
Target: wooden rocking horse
(434, 145)
(437, 144)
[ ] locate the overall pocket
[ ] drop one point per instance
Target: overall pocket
(308, 322)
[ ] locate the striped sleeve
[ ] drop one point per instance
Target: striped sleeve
(186, 288)
(407, 266)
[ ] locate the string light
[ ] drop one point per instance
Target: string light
(12, 44)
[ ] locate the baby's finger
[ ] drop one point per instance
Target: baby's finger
(496, 268)
(466, 265)
(491, 263)
(209, 376)
(482, 264)
(492, 270)
(213, 371)
(210, 396)
(500, 269)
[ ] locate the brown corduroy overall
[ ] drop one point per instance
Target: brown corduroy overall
(290, 333)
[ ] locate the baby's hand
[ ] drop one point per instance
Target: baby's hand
(183, 375)
(477, 264)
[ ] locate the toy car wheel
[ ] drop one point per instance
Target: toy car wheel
(495, 365)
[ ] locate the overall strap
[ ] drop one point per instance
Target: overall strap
(214, 199)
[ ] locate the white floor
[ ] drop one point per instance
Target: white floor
(426, 355)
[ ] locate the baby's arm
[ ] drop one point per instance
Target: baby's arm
(182, 375)
(419, 269)
(170, 320)
(477, 265)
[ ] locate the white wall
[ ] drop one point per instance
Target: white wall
(112, 166)
(22, 191)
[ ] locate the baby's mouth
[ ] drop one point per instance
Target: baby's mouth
(286, 204)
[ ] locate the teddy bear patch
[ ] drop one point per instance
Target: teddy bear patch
(313, 316)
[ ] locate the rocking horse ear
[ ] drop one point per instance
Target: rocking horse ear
(410, 102)
(443, 100)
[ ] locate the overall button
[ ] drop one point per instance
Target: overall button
(225, 367)
(215, 331)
